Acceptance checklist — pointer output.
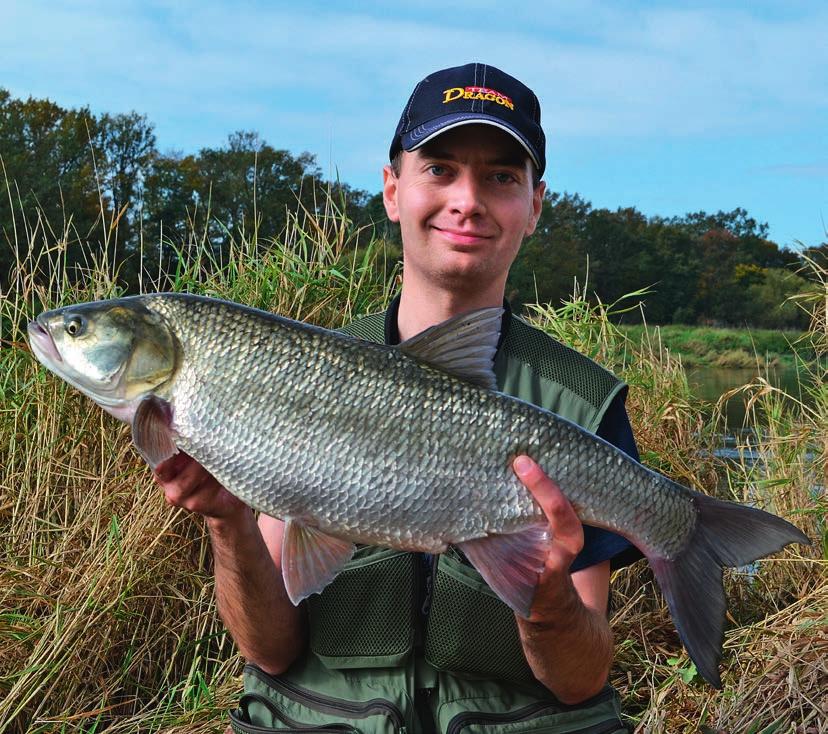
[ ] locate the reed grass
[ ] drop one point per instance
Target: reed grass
(107, 620)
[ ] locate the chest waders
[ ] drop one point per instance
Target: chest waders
(404, 643)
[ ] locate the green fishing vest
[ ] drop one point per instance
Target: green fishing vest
(375, 663)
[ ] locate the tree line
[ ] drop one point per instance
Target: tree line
(101, 179)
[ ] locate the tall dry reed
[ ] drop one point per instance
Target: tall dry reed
(107, 619)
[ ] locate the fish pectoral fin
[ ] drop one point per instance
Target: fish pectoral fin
(510, 564)
(311, 559)
(151, 430)
(463, 345)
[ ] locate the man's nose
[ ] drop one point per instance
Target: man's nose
(466, 197)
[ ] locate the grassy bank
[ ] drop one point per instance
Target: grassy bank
(107, 620)
(705, 346)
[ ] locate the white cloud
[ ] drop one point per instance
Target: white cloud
(193, 48)
(316, 77)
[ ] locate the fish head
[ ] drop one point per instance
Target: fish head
(115, 351)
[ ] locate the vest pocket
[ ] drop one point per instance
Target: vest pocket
(241, 720)
(365, 617)
(271, 704)
(469, 629)
(599, 715)
(526, 724)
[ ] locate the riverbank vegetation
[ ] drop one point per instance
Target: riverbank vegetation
(707, 346)
(102, 179)
(107, 619)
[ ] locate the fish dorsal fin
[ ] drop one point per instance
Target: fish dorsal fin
(311, 559)
(510, 564)
(151, 430)
(463, 345)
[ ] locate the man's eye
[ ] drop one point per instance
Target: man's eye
(504, 178)
(436, 170)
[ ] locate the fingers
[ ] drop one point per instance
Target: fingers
(168, 470)
(567, 532)
(182, 478)
(554, 592)
(189, 485)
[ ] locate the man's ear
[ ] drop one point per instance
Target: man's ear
(537, 207)
(389, 193)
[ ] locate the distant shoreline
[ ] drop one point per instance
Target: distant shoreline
(707, 346)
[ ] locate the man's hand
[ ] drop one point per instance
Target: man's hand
(566, 538)
(567, 640)
(250, 594)
(189, 485)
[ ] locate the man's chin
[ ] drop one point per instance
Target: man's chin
(466, 273)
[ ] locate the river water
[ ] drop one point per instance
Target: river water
(710, 383)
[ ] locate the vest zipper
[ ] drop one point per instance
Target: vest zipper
(529, 712)
(462, 720)
(422, 708)
(432, 581)
(293, 725)
(330, 705)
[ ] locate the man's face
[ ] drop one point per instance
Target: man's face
(464, 202)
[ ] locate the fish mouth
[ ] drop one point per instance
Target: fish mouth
(42, 343)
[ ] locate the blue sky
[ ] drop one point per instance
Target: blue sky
(666, 106)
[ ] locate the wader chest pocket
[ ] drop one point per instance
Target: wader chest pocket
(365, 617)
(469, 629)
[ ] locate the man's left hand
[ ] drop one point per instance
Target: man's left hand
(567, 640)
(566, 540)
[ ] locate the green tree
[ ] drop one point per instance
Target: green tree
(620, 259)
(675, 270)
(553, 256)
(737, 222)
(127, 146)
(769, 296)
(47, 161)
(169, 210)
(250, 184)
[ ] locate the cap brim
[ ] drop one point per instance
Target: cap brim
(421, 135)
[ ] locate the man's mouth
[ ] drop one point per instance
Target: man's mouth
(463, 236)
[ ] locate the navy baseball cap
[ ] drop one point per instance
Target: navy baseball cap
(474, 93)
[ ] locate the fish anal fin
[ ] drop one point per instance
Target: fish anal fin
(464, 345)
(510, 564)
(311, 559)
(152, 433)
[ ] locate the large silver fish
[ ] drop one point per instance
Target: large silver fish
(408, 447)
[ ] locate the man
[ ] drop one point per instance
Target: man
(398, 640)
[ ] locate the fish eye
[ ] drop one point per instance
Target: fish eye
(74, 325)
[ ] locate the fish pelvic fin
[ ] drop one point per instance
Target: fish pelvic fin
(511, 564)
(151, 430)
(311, 559)
(463, 345)
(726, 534)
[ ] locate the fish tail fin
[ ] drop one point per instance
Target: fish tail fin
(726, 534)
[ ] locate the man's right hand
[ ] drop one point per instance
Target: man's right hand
(250, 593)
(189, 485)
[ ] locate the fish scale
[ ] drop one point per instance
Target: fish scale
(408, 447)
